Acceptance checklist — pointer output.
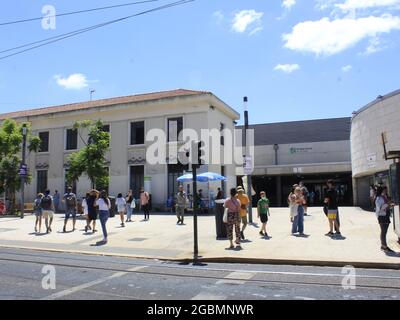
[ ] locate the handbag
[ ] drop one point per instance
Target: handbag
(225, 217)
(133, 204)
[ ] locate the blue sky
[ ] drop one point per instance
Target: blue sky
(294, 59)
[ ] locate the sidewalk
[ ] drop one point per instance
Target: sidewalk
(161, 238)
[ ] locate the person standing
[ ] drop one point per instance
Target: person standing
(372, 196)
(37, 209)
(48, 210)
(92, 210)
(104, 205)
(220, 194)
(181, 202)
(383, 211)
(233, 206)
(297, 211)
(305, 193)
(244, 202)
(144, 203)
(121, 207)
(56, 201)
(85, 211)
(263, 212)
(70, 203)
(331, 204)
(129, 199)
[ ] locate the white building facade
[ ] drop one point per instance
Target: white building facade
(128, 119)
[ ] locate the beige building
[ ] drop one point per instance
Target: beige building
(368, 163)
(128, 119)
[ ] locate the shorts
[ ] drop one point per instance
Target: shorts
(70, 212)
(48, 214)
(38, 213)
(264, 218)
(332, 214)
(244, 219)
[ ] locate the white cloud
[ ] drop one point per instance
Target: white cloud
(287, 68)
(256, 30)
(247, 19)
(375, 45)
(218, 16)
(366, 4)
(288, 3)
(75, 81)
(347, 68)
(329, 37)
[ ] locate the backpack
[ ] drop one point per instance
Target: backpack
(70, 200)
(46, 203)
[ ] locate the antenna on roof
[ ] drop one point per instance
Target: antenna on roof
(91, 93)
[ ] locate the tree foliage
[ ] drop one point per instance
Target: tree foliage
(10, 155)
(91, 159)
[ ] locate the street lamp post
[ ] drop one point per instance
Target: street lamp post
(23, 169)
(247, 153)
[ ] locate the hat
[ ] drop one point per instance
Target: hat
(239, 189)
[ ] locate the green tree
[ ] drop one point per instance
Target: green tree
(90, 160)
(10, 157)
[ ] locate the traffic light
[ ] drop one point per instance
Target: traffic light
(200, 153)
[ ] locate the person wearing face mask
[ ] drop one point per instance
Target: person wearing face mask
(263, 212)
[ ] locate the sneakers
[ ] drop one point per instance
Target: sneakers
(261, 233)
(122, 224)
(329, 234)
(86, 228)
(386, 249)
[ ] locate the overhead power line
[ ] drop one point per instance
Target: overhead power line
(78, 12)
(47, 41)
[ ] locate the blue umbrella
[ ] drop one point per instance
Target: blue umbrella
(210, 176)
(204, 177)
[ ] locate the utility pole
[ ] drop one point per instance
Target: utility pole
(247, 154)
(23, 169)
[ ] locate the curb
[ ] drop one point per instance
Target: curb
(236, 260)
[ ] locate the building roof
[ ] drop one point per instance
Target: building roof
(336, 129)
(377, 100)
(102, 103)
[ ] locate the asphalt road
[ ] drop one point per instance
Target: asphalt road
(23, 274)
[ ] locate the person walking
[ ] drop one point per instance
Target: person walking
(92, 210)
(220, 194)
(56, 201)
(130, 202)
(121, 207)
(233, 207)
(47, 204)
(383, 210)
(263, 212)
(104, 205)
(244, 202)
(144, 203)
(331, 208)
(181, 202)
(37, 209)
(70, 203)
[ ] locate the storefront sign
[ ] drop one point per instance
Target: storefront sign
(294, 150)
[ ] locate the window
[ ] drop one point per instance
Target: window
(174, 172)
(221, 129)
(72, 139)
(137, 132)
(66, 185)
(44, 141)
(175, 126)
(136, 179)
(41, 181)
